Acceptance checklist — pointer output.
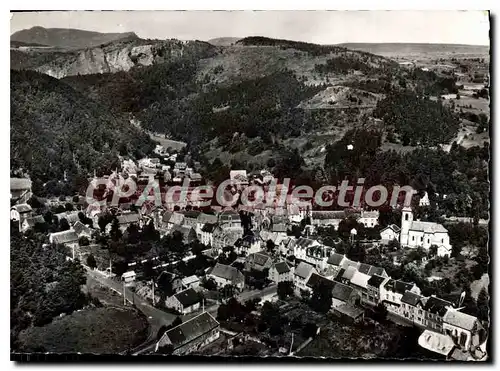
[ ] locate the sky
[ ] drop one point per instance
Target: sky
(321, 27)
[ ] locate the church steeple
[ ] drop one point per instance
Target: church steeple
(406, 222)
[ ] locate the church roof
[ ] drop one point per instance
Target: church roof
(427, 227)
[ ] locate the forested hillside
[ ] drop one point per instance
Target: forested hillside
(55, 129)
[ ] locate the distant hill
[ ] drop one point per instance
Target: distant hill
(405, 49)
(68, 37)
(224, 41)
(56, 129)
(16, 44)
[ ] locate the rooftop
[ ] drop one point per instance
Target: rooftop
(189, 330)
(460, 319)
(435, 342)
(303, 270)
(188, 297)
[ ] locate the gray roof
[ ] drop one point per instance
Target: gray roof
(349, 272)
(128, 218)
(398, 286)
(19, 184)
(188, 297)
(189, 330)
(71, 216)
(22, 208)
(394, 227)
(280, 227)
(37, 219)
(303, 270)
(303, 242)
(427, 227)
(335, 259)
(282, 267)
(207, 218)
(437, 305)
(64, 237)
(319, 214)
(227, 272)
(376, 281)
(208, 227)
(411, 298)
(341, 292)
(258, 258)
(80, 228)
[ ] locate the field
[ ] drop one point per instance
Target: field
(95, 330)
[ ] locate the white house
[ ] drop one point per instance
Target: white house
(369, 218)
(425, 234)
(301, 275)
(462, 328)
(20, 212)
(192, 282)
(227, 275)
(186, 301)
(280, 272)
(424, 200)
(128, 277)
(392, 292)
(389, 233)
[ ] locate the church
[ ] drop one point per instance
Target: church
(425, 234)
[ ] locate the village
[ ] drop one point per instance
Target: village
(193, 270)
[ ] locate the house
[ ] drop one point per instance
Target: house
(191, 218)
(239, 178)
(225, 236)
(126, 219)
(436, 342)
(229, 219)
(227, 275)
(392, 292)
(21, 212)
(67, 238)
(374, 285)
(248, 244)
(335, 262)
(412, 308)
(186, 301)
(20, 190)
(29, 223)
(128, 277)
(191, 335)
(434, 310)
(369, 218)
(280, 272)
(203, 219)
(70, 216)
(343, 294)
(424, 200)
(187, 232)
(371, 270)
(425, 234)
(315, 280)
(347, 274)
(318, 255)
(350, 312)
(175, 281)
(301, 275)
(464, 329)
(359, 281)
(82, 230)
(389, 233)
(301, 245)
(207, 234)
(169, 219)
(258, 261)
(327, 218)
(192, 282)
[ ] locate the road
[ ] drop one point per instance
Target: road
(156, 317)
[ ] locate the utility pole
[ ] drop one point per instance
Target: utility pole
(153, 290)
(202, 305)
(291, 345)
(124, 299)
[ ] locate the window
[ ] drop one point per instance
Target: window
(420, 311)
(406, 217)
(428, 241)
(442, 240)
(413, 238)
(421, 239)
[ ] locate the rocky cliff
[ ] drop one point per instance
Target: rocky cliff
(110, 58)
